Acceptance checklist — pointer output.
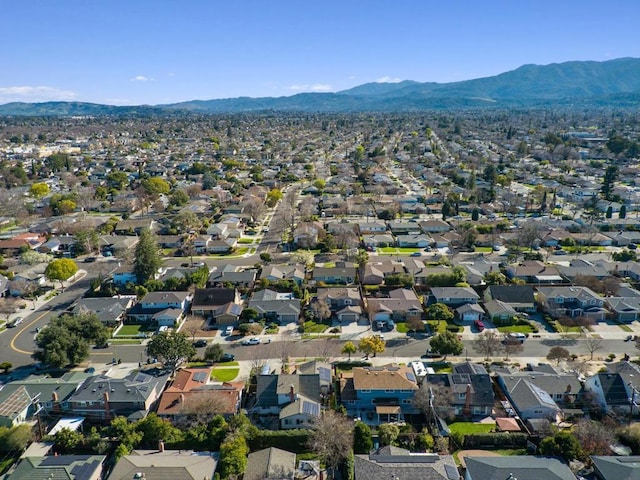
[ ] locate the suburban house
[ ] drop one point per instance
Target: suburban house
(276, 306)
(419, 240)
(517, 467)
(540, 393)
(270, 464)
(470, 387)
(376, 271)
(207, 300)
(231, 275)
(308, 234)
(401, 304)
(102, 398)
(533, 271)
(614, 467)
(274, 392)
(161, 463)
(111, 311)
(343, 273)
(72, 467)
(393, 463)
(612, 390)
(625, 306)
(14, 406)
(499, 312)
(344, 302)
(275, 273)
(193, 394)
(379, 394)
(574, 301)
(434, 226)
(372, 226)
(166, 308)
(469, 312)
(454, 296)
(519, 297)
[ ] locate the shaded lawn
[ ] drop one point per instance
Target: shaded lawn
(224, 374)
(313, 327)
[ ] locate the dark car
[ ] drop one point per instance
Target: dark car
(200, 343)
(89, 260)
(227, 357)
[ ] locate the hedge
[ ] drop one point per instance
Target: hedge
(495, 440)
(292, 440)
(351, 365)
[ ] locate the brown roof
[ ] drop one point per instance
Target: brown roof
(383, 378)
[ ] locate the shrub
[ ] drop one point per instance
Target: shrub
(293, 440)
(454, 328)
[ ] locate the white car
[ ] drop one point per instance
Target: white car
(251, 341)
(228, 330)
(515, 337)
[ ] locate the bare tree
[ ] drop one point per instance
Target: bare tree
(324, 349)
(434, 398)
(321, 310)
(593, 345)
(201, 408)
(254, 207)
(488, 344)
(595, 437)
(332, 438)
(512, 347)
(558, 353)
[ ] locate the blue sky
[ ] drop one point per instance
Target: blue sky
(130, 52)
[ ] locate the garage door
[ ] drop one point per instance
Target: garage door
(382, 316)
(348, 317)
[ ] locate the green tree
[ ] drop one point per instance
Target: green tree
(623, 211)
(147, 259)
(609, 212)
(446, 343)
(349, 348)
(15, 439)
(388, 433)
(274, 196)
(233, 457)
(154, 429)
(475, 215)
(362, 440)
(6, 366)
(495, 278)
(171, 347)
(39, 190)
(66, 441)
(563, 444)
(155, 186)
(371, 345)
(439, 311)
(126, 432)
(319, 184)
(179, 198)
(61, 269)
(117, 179)
(213, 353)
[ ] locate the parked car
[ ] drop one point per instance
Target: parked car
(200, 343)
(228, 330)
(479, 325)
(89, 260)
(15, 322)
(251, 341)
(227, 357)
(416, 254)
(514, 337)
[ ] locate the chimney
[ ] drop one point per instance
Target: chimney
(292, 393)
(107, 408)
(467, 401)
(182, 399)
(56, 403)
(160, 446)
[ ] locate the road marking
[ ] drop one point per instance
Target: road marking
(13, 340)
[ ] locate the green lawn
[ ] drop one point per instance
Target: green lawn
(224, 374)
(483, 249)
(125, 341)
(437, 326)
(507, 452)
(469, 428)
(313, 327)
(393, 250)
(441, 367)
(516, 329)
(130, 330)
(246, 240)
(401, 327)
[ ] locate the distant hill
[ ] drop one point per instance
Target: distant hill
(613, 83)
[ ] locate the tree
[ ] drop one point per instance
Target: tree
(15, 439)
(563, 444)
(39, 190)
(179, 198)
(487, 343)
(6, 366)
(172, 347)
(233, 457)
(331, 438)
(608, 182)
(155, 186)
(434, 399)
(388, 433)
(349, 348)
(446, 343)
(67, 338)
(595, 437)
(61, 269)
(154, 429)
(440, 311)
(147, 259)
(558, 353)
(273, 197)
(623, 211)
(67, 440)
(593, 345)
(495, 278)
(213, 353)
(415, 324)
(362, 440)
(371, 345)
(511, 347)
(321, 310)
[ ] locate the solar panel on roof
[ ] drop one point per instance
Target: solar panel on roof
(325, 374)
(311, 408)
(200, 377)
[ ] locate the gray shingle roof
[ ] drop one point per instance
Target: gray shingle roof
(617, 468)
(388, 461)
(520, 466)
(270, 463)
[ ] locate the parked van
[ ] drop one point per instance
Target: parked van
(15, 322)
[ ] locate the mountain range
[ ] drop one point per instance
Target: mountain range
(612, 83)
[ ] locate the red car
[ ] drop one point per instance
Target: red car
(479, 325)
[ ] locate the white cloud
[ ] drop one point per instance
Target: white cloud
(34, 94)
(141, 78)
(389, 80)
(316, 87)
